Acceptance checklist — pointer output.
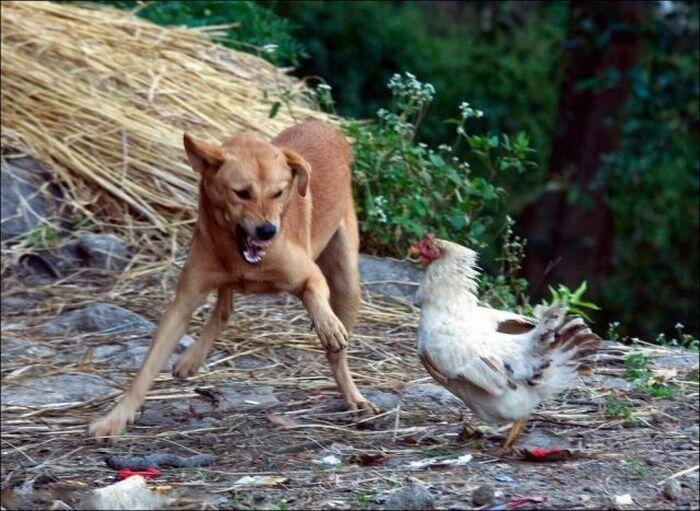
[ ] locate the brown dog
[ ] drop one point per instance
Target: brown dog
(273, 216)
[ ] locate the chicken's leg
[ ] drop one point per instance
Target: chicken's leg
(515, 430)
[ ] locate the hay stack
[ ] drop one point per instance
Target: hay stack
(102, 98)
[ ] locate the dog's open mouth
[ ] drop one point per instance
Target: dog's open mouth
(251, 248)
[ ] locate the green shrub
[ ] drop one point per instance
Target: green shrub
(256, 29)
(404, 188)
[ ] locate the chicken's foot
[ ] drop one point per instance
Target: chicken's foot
(515, 431)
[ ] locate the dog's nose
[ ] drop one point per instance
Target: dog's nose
(266, 231)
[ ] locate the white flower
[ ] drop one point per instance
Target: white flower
(269, 48)
(679, 326)
(467, 111)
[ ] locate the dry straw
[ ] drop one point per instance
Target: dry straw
(103, 97)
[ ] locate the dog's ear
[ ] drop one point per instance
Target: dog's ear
(301, 170)
(204, 158)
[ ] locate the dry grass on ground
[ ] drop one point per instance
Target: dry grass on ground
(268, 343)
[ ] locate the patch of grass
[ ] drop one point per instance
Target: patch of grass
(636, 367)
(616, 408)
(635, 467)
(661, 390)
(364, 500)
(637, 370)
(42, 237)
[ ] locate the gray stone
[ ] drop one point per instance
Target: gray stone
(483, 495)
(14, 348)
(412, 497)
(232, 397)
(429, 393)
(129, 356)
(103, 251)
(390, 276)
(23, 206)
(384, 400)
(255, 397)
(611, 382)
(250, 362)
(58, 388)
(98, 318)
(672, 489)
(682, 360)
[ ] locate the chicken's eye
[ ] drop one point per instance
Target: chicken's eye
(242, 194)
(278, 194)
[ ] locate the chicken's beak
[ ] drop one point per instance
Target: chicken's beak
(413, 251)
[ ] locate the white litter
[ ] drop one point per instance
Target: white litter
(437, 462)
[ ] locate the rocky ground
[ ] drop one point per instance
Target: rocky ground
(77, 315)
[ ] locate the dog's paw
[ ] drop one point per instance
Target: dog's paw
(189, 362)
(363, 405)
(110, 425)
(332, 334)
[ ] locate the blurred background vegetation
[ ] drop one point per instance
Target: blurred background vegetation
(588, 138)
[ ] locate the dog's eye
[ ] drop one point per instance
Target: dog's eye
(278, 194)
(242, 194)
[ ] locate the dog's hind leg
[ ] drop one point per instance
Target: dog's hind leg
(339, 265)
(193, 358)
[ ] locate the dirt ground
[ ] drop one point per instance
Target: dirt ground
(266, 406)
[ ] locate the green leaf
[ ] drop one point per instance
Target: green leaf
(275, 108)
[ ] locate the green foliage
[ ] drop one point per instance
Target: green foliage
(505, 289)
(365, 500)
(502, 56)
(572, 299)
(620, 408)
(652, 183)
(255, 28)
(42, 237)
(637, 370)
(404, 188)
(636, 367)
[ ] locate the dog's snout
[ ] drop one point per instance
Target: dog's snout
(266, 231)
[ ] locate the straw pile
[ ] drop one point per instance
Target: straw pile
(102, 98)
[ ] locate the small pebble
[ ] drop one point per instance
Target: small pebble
(413, 497)
(483, 495)
(504, 478)
(672, 489)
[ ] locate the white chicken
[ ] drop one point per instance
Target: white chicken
(500, 364)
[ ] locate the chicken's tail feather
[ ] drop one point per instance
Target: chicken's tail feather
(566, 345)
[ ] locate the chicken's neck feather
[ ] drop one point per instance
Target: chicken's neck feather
(452, 277)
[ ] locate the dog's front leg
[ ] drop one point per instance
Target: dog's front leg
(316, 295)
(195, 355)
(190, 294)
